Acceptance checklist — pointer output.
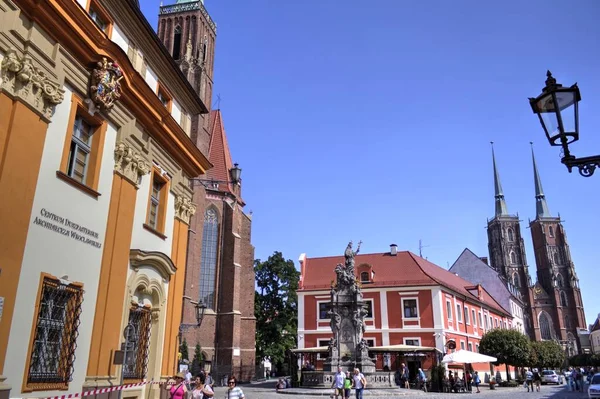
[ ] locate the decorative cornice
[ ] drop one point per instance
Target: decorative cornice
(21, 79)
(184, 209)
(130, 163)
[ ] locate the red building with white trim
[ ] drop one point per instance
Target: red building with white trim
(413, 302)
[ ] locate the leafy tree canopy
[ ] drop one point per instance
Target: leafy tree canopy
(548, 354)
(275, 307)
(510, 347)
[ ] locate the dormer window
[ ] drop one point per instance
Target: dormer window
(364, 277)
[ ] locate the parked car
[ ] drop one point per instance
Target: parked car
(594, 388)
(551, 377)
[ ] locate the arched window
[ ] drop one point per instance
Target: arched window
(567, 321)
(515, 280)
(208, 267)
(364, 277)
(511, 234)
(513, 258)
(560, 281)
(563, 299)
(545, 329)
(177, 42)
(551, 231)
(556, 258)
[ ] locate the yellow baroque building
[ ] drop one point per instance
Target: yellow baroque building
(95, 167)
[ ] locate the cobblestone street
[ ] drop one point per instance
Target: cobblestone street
(264, 391)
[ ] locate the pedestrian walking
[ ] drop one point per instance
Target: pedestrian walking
(476, 381)
(359, 383)
(233, 391)
(529, 380)
(537, 379)
(347, 387)
(338, 383)
(202, 389)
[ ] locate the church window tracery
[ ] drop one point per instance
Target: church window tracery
(545, 329)
(511, 234)
(515, 280)
(563, 299)
(560, 281)
(208, 267)
(513, 258)
(556, 258)
(177, 42)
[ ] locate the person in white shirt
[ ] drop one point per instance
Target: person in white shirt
(359, 382)
(338, 383)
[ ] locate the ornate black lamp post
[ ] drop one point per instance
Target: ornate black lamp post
(235, 175)
(200, 309)
(557, 108)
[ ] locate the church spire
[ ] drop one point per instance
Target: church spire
(501, 209)
(541, 205)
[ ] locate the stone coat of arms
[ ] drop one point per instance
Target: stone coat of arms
(105, 87)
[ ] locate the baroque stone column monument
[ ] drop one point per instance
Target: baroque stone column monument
(347, 311)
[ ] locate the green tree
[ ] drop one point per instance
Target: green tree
(275, 308)
(183, 349)
(510, 347)
(197, 361)
(548, 354)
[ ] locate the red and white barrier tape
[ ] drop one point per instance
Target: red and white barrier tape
(103, 390)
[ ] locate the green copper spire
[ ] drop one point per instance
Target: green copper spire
(501, 209)
(541, 206)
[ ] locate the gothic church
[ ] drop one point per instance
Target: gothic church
(554, 308)
(220, 257)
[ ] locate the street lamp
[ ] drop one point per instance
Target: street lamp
(200, 308)
(557, 108)
(235, 175)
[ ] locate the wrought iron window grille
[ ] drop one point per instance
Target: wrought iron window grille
(56, 332)
(137, 343)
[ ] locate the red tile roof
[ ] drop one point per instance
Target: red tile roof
(218, 153)
(402, 270)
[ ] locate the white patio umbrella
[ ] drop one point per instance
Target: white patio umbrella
(464, 356)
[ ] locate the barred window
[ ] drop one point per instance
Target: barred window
(137, 343)
(208, 267)
(53, 351)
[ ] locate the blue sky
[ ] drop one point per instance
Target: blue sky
(371, 120)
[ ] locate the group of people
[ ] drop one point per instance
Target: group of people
(343, 383)
(469, 379)
(577, 377)
(181, 386)
(403, 378)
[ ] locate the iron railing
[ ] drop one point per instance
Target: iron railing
(56, 332)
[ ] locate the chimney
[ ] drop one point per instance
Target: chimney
(484, 259)
(393, 249)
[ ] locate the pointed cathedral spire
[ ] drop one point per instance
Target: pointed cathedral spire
(501, 209)
(541, 206)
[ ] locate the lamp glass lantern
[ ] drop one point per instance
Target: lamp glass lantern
(558, 111)
(236, 173)
(200, 309)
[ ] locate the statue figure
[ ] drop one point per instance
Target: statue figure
(349, 254)
(335, 322)
(363, 345)
(332, 344)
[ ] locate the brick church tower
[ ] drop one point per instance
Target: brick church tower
(220, 258)
(505, 244)
(557, 307)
